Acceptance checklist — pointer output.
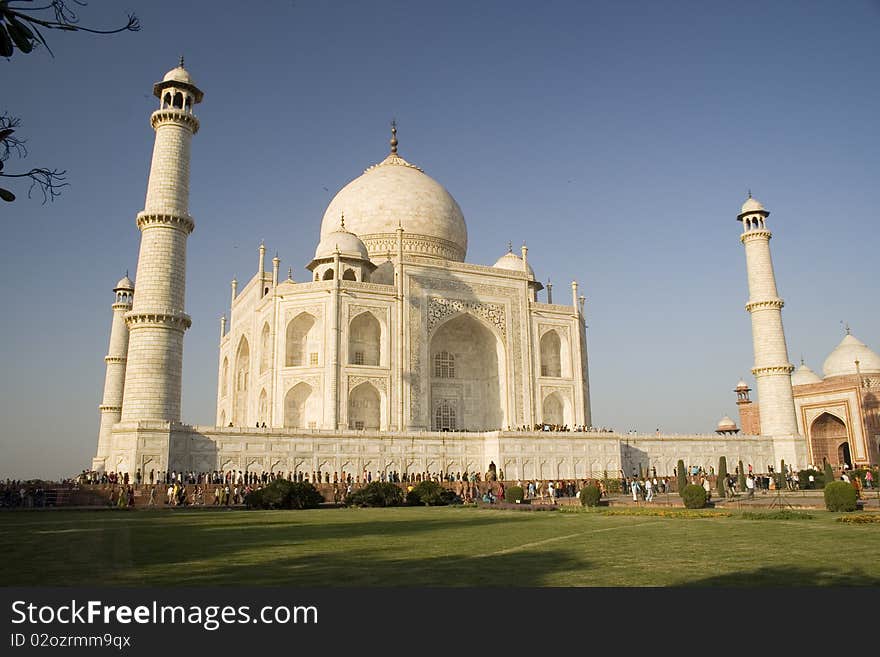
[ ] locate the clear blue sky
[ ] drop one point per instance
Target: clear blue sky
(618, 139)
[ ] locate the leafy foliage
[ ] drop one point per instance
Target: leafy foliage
(804, 479)
(376, 493)
(681, 476)
(20, 23)
(693, 496)
(514, 494)
(284, 494)
(430, 493)
(722, 475)
(829, 473)
(840, 496)
(741, 478)
(590, 495)
(783, 514)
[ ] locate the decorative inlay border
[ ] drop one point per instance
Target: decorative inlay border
(293, 312)
(380, 382)
(439, 308)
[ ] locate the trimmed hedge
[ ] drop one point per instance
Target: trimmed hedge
(804, 479)
(376, 493)
(840, 496)
(590, 495)
(722, 477)
(693, 496)
(284, 494)
(681, 476)
(514, 494)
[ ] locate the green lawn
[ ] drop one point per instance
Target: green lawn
(429, 547)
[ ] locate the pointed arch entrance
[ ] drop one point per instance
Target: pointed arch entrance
(826, 435)
(467, 376)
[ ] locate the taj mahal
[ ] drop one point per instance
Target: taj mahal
(397, 354)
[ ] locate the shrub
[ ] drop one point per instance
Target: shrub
(840, 496)
(283, 494)
(804, 479)
(376, 493)
(860, 519)
(681, 477)
(741, 478)
(783, 514)
(590, 495)
(722, 476)
(514, 494)
(693, 496)
(430, 493)
(611, 485)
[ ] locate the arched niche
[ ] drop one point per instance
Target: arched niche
(552, 409)
(301, 341)
(300, 407)
(827, 432)
(554, 352)
(265, 348)
(365, 407)
(240, 383)
(364, 340)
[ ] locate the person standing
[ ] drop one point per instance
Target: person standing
(750, 485)
(649, 490)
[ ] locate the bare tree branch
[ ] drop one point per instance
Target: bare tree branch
(20, 26)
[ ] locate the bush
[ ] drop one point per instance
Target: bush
(804, 479)
(681, 476)
(283, 494)
(514, 494)
(611, 485)
(693, 496)
(376, 493)
(430, 493)
(590, 495)
(840, 496)
(741, 478)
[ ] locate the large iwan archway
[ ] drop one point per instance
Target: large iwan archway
(826, 434)
(467, 377)
(552, 410)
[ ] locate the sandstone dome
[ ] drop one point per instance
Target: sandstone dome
(396, 193)
(804, 375)
(841, 361)
(512, 262)
(726, 424)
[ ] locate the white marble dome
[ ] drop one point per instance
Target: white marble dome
(841, 361)
(124, 284)
(395, 192)
(346, 242)
(804, 375)
(752, 205)
(725, 424)
(512, 262)
(178, 74)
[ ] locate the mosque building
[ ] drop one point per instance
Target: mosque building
(397, 354)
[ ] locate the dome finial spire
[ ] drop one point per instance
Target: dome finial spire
(509, 246)
(393, 137)
(342, 220)
(181, 62)
(750, 193)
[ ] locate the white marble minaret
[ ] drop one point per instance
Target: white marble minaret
(772, 370)
(157, 320)
(111, 402)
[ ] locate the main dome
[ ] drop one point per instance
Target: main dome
(842, 361)
(396, 193)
